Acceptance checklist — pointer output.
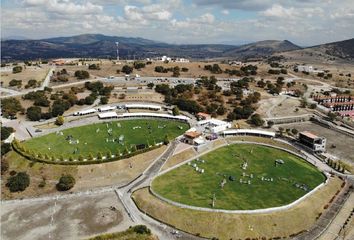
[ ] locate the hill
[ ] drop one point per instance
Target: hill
(339, 51)
(102, 46)
(261, 49)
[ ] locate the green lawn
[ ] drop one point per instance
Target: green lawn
(185, 185)
(90, 140)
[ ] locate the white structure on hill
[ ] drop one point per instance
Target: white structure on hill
(305, 68)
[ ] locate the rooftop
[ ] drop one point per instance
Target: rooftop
(309, 134)
(192, 135)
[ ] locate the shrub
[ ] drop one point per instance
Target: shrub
(18, 182)
(141, 229)
(59, 121)
(17, 69)
(65, 183)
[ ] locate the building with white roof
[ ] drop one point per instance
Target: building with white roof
(142, 106)
(214, 125)
(304, 68)
(85, 112)
(253, 132)
(154, 115)
(106, 108)
(107, 115)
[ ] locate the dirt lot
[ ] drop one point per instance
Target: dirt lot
(344, 144)
(71, 218)
(289, 107)
(26, 74)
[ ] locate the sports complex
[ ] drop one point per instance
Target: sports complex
(247, 177)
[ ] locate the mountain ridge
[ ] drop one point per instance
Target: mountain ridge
(103, 46)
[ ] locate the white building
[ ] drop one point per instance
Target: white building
(165, 58)
(305, 68)
(154, 115)
(142, 106)
(252, 132)
(105, 109)
(85, 112)
(107, 115)
(214, 125)
(181, 60)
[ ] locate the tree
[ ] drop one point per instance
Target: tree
(175, 111)
(332, 116)
(221, 110)
(18, 182)
(10, 107)
(65, 183)
(5, 148)
(303, 102)
(257, 120)
(6, 132)
(34, 113)
(60, 120)
(127, 69)
(270, 124)
(313, 106)
(150, 85)
(99, 156)
(176, 72)
(166, 140)
(15, 83)
(104, 100)
(17, 69)
(294, 131)
(94, 67)
(138, 65)
(82, 74)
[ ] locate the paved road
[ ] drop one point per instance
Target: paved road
(161, 230)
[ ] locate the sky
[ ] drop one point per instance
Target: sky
(304, 22)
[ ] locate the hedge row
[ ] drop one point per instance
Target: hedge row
(20, 150)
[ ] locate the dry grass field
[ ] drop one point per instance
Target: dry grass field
(115, 173)
(178, 158)
(289, 107)
(37, 172)
(195, 69)
(240, 226)
(27, 74)
(87, 176)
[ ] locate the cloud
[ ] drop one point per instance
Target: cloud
(146, 13)
(305, 22)
(64, 6)
(279, 11)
